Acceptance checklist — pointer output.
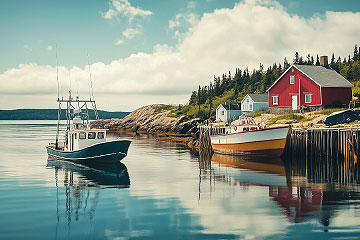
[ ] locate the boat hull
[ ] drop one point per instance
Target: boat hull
(113, 151)
(263, 142)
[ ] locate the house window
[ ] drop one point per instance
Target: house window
(292, 79)
(307, 98)
(275, 100)
(250, 107)
(222, 112)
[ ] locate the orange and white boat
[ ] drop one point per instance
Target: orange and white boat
(249, 138)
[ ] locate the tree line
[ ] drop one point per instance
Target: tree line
(234, 87)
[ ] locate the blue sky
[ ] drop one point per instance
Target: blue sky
(148, 36)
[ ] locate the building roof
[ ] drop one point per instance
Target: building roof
(324, 77)
(233, 106)
(259, 97)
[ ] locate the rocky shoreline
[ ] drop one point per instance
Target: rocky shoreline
(155, 119)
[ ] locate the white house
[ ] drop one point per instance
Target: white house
(228, 112)
(254, 103)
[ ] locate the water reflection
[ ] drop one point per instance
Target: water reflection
(81, 185)
(88, 175)
(301, 192)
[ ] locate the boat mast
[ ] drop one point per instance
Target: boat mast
(58, 98)
(91, 92)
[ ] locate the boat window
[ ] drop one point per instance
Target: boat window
(91, 135)
(82, 135)
(253, 128)
(245, 129)
(75, 135)
(100, 135)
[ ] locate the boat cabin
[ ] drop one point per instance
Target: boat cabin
(80, 136)
(245, 125)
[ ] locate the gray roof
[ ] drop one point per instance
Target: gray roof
(259, 97)
(325, 77)
(234, 106)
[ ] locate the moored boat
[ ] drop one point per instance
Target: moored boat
(249, 138)
(83, 143)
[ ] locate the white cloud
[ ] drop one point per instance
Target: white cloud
(182, 19)
(119, 42)
(49, 48)
(250, 33)
(129, 33)
(110, 14)
(124, 8)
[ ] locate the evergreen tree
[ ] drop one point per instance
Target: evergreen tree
(193, 99)
(286, 64)
(312, 60)
(199, 100)
(301, 60)
(308, 61)
(317, 60)
(332, 59)
(296, 59)
(356, 54)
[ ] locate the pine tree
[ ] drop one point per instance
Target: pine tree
(317, 60)
(199, 100)
(308, 61)
(332, 59)
(193, 97)
(301, 60)
(312, 60)
(356, 54)
(296, 59)
(286, 64)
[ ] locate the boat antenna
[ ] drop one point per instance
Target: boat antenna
(69, 81)
(91, 90)
(57, 74)
(59, 108)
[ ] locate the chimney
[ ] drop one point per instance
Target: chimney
(324, 61)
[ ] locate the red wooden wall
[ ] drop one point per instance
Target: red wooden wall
(285, 90)
(331, 95)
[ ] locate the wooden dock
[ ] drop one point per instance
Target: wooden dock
(318, 154)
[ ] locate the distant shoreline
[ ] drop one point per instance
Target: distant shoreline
(52, 114)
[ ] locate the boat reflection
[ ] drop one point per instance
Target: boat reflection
(78, 187)
(300, 198)
(88, 175)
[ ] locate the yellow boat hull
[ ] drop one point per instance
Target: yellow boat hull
(266, 142)
(267, 147)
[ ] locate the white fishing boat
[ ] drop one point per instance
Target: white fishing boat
(249, 138)
(83, 143)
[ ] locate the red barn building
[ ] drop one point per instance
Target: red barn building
(311, 86)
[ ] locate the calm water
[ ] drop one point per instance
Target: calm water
(163, 191)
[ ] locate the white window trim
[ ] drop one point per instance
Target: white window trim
(293, 78)
(277, 100)
(310, 98)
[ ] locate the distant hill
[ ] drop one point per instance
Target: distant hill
(51, 114)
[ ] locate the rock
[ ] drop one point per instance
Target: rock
(152, 119)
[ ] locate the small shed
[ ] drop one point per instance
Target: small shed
(228, 112)
(254, 103)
